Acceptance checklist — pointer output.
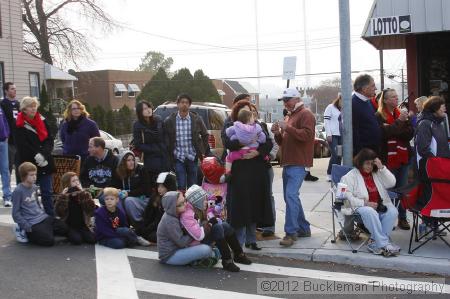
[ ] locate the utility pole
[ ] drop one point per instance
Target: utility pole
(257, 46)
(346, 80)
(381, 69)
(403, 87)
(305, 37)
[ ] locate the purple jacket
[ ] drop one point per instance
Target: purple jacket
(250, 135)
(103, 225)
(4, 127)
(77, 143)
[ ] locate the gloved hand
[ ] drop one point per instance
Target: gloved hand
(40, 160)
(213, 220)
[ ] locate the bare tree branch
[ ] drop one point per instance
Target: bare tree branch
(49, 36)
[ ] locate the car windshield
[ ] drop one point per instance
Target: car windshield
(213, 119)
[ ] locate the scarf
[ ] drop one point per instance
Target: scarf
(73, 124)
(397, 150)
(374, 195)
(37, 123)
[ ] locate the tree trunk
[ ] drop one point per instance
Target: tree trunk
(43, 34)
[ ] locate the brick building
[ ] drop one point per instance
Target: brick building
(110, 89)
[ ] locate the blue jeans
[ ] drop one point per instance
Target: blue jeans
(45, 184)
(401, 177)
(127, 238)
(272, 199)
(218, 232)
(335, 159)
(186, 173)
(379, 225)
(4, 170)
(246, 234)
(188, 255)
(295, 220)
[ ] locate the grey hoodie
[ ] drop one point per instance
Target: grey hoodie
(170, 234)
(431, 139)
(26, 209)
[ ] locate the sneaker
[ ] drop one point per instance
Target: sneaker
(242, 259)
(372, 247)
(288, 240)
(141, 241)
(7, 203)
(390, 250)
(302, 234)
(252, 246)
(310, 177)
(21, 235)
(403, 224)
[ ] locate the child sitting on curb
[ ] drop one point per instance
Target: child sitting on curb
(211, 231)
(173, 242)
(29, 213)
(75, 207)
(111, 227)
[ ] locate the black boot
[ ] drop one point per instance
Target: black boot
(228, 265)
(227, 261)
(310, 177)
(239, 255)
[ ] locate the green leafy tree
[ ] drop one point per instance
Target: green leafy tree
(45, 109)
(110, 123)
(125, 119)
(181, 82)
(203, 89)
(98, 115)
(156, 89)
(153, 61)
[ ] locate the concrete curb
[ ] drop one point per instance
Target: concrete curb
(403, 262)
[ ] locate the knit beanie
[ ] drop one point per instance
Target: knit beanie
(168, 179)
(196, 196)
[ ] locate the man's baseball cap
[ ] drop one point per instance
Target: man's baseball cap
(289, 93)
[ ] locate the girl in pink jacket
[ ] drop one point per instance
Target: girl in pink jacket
(211, 231)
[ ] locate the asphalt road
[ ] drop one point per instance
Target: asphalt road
(67, 271)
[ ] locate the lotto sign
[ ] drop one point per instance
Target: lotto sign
(390, 25)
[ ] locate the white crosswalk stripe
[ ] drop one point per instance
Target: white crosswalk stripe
(119, 275)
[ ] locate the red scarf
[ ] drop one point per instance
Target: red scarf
(374, 196)
(37, 123)
(397, 150)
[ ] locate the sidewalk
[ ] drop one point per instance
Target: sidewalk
(434, 258)
(316, 200)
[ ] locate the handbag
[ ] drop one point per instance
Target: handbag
(137, 153)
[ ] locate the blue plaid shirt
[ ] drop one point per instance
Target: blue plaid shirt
(184, 147)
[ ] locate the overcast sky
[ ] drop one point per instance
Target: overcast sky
(222, 36)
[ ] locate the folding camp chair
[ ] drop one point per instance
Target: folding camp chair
(437, 211)
(337, 172)
(63, 164)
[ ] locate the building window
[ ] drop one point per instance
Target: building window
(2, 79)
(133, 89)
(119, 89)
(34, 84)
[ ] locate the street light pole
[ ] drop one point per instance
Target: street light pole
(346, 80)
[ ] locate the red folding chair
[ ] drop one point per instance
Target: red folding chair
(436, 211)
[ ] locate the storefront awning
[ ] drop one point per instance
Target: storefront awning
(391, 21)
(119, 87)
(133, 88)
(54, 73)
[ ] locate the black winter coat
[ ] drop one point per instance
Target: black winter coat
(152, 216)
(138, 184)
(28, 146)
(150, 140)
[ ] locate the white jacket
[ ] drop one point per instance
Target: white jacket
(357, 194)
(331, 120)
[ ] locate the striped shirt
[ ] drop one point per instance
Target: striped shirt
(183, 146)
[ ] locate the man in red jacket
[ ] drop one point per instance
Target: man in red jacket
(296, 138)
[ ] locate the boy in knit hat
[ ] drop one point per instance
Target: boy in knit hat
(211, 231)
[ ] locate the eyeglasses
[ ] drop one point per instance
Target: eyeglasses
(181, 204)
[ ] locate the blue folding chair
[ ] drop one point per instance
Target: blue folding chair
(337, 172)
